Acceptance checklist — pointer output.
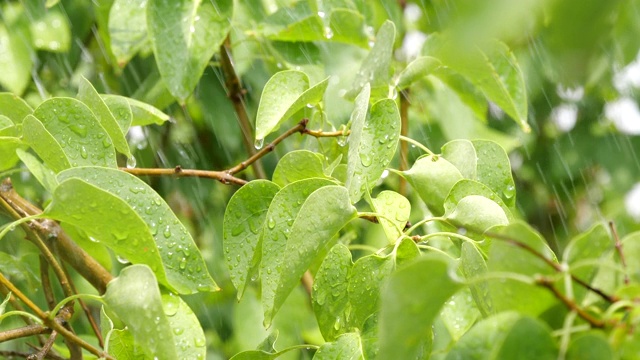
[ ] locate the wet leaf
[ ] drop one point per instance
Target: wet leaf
(134, 297)
(127, 29)
(320, 218)
(464, 188)
(244, 219)
(185, 269)
(358, 118)
(90, 97)
(393, 206)
(416, 70)
(263, 355)
(494, 170)
(473, 265)
(411, 300)
(371, 150)
(14, 108)
(8, 147)
(15, 60)
(376, 67)
(433, 177)
(45, 145)
(503, 335)
(51, 32)
(346, 346)
(477, 213)
(294, 23)
(406, 252)
(365, 280)
(143, 114)
(83, 140)
(283, 211)
(4, 303)
(188, 336)
(46, 177)
(462, 154)
(185, 34)
(121, 110)
(298, 165)
(330, 296)
(459, 313)
(592, 345)
(347, 26)
(286, 93)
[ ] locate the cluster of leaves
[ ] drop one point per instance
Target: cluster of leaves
(448, 269)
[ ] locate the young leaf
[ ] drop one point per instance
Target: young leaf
(243, 221)
(8, 148)
(376, 67)
(186, 271)
(346, 346)
(330, 295)
(371, 150)
(323, 214)
(134, 297)
(416, 70)
(185, 34)
(433, 177)
(143, 114)
(411, 299)
(46, 177)
(365, 280)
(282, 213)
(298, 165)
(394, 206)
(477, 213)
(14, 107)
(83, 140)
(45, 145)
(127, 29)
(494, 170)
(88, 95)
(286, 93)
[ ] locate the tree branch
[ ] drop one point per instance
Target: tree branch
(618, 245)
(547, 283)
(222, 176)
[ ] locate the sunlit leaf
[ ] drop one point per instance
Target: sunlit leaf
(286, 93)
(477, 213)
(127, 28)
(346, 346)
(243, 222)
(143, 114)
(135, 298)
(188, 335)
(462, 155)
(411, 299)
(121, 110)
(13, 107)
(15, 60)
(494, 170)
(185, 34)
(298, 165)
(394, 206)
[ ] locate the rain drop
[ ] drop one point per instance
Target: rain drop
(271, 223)
(258, 144)
(131, 162)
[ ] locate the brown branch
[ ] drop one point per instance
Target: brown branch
(236, 94)
(222, 176)
(548, 283)
(46, 283)
(618, 245)
(404, 131)
(87, 312)
(25, 331)
(42, 353)
(8, 354)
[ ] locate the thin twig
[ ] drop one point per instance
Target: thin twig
(87, 312)
(222, 176)
(404, 131)
(46, 283)
(25, 331)
(42, 353)
(8, 354)
(320, 133)
(547, 283)
(618, 245)
(25, 300)
(236, 94)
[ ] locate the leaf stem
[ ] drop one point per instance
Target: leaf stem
(416, 143)
(544, 282)
(404, 131)
(424, 221)
(618, 245)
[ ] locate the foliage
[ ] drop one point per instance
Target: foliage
(389, 228)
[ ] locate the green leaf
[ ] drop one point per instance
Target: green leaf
(122, 346)
(433, 177)
(46, 177)
(189, 339)
(504, 335)
(98, 251)
(347, 26)
(4, 303)
(14, 107)
(283, 211)
(406, 251)
(263, 355)
(186, 271)
(143, 114)
(494, 170)
(286, 93)
(462, 154)
(185, 34)
(358, 118)
(83, 140)
(127, 29)
(416, 70)
(371, 150)
(459, 313)
(376, 67)
(294, 23)
(329, 296)
(591, 245)
(90, 97)
(320, 218)
(45, 145)
(477, 213)
(504, 257)
(464, 188)
(473, 265)
(395, 206)
(135, 298)
(15, 60)
(346, 346)
(8, 147)
(121, 111)
(592, 345)
(51, 32)
(244, 218)
(411, 299)
(7, 127)
(365, 280)
(493, 69)
(298, 165)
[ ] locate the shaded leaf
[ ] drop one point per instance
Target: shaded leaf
(121, 110)
(477, 213)
(51, 32)
(188, 336)
(592, 345)
(473, 265)
(416, 70)
(8, 147)
(365, 280)
(46, 177)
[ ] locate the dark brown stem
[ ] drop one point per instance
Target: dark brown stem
(370, 218)
(618, 245)
(404, 131)
(236, 94)
(548, 283)
(222, 176)
(9, 354)
(25, 331)
(42, 353)
(46, 283)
